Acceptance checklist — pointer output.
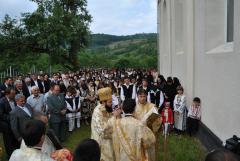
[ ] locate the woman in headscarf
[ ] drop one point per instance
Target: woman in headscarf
(85, 108)
(169, 91)
(176, 82)
(161, 82)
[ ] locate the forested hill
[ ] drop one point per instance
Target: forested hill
(98, 40)
(136, 51)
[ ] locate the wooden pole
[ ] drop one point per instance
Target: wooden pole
(156, 146)
(165, 156)
(10, 71)
(1, 78)
(50, 71)
(166, 132)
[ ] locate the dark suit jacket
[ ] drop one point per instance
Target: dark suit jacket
(47, 85)
(5, 110)
(55, 105)
(25, 92)
(3, 87)
(39, 84)
(55, 82)
(18, 117)
(2, 90)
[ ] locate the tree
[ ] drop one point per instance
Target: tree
(59, 28)
(122, 63)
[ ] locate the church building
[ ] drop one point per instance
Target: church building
(199, 42)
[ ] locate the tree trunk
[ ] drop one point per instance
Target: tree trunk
(74, 54)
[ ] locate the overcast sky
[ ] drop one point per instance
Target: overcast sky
(117, 17)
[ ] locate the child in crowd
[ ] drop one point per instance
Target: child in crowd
(194, 115)
(180, 111)
(73, 102)
(167, 118)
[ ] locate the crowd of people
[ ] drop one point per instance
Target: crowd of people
(125, 107)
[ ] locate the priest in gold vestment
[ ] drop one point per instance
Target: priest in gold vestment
(101, 115)
(144, 110)
(132, 141)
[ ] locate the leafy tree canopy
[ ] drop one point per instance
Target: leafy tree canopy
(59, 28)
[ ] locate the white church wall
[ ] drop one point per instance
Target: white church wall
(164, 41)
(182, 64)
(217, 78)
(215, 19)
(179, 61)
(178, 13)
(209, 73)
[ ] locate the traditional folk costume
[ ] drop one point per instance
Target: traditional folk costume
(128, 91)
(194, 116)
(180, 112)
(167, 120)
(156, 96)
(132, 141)
(99, 122)
(85, 106)
(73, 113)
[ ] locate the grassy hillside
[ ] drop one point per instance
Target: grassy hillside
(98, 40)
(138, 51)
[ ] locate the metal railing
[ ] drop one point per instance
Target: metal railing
(12, 72)
(9, 72)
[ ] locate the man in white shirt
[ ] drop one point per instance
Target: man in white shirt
(33, 136)
(36, 100)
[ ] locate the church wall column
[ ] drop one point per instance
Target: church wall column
(189, 47)
(165, 38)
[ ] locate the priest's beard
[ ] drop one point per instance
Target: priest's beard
(108, 108)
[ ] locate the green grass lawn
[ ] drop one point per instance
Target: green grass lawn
(180, 148)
